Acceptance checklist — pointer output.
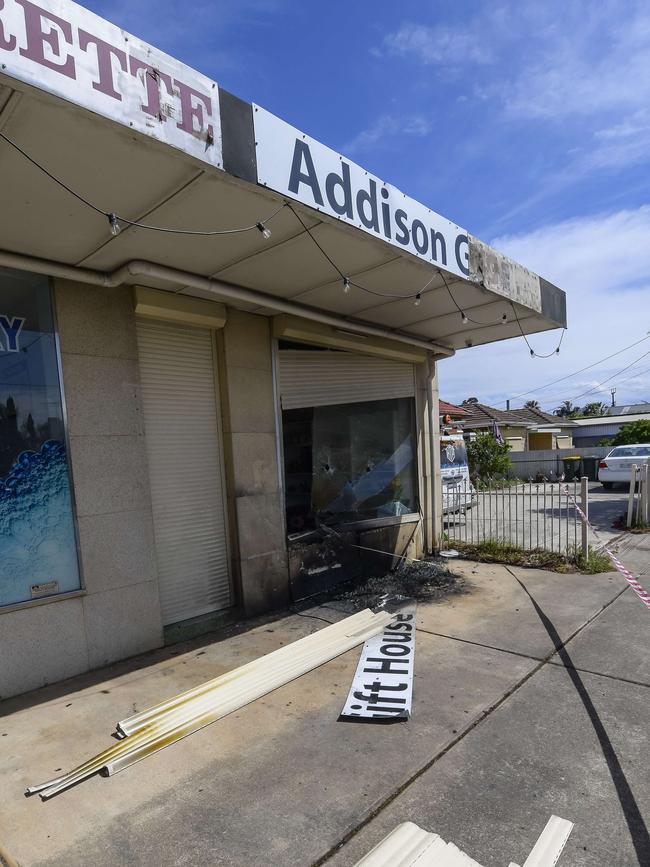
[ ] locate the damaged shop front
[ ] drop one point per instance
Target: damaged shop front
(219, 352)
(349, 436)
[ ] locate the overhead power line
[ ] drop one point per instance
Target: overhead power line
(598, 385)
(582, 370)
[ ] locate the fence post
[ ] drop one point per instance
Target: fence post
(584, 505)
(630, 500)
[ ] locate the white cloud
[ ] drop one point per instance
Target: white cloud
(438, 45)
(386, 128)
(603, 264)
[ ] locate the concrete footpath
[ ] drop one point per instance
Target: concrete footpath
(531, 697)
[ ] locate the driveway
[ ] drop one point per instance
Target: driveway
(531, 698)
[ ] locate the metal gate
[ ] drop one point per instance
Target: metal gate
(532, 516)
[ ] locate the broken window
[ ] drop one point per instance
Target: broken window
(349, 462)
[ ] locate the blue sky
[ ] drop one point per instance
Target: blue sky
(527, 123)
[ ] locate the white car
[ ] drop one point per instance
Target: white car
(617, 466)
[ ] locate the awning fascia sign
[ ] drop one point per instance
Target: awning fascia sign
(67, 50)
(298, 166)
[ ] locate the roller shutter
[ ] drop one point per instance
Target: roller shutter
(325, 378)
(179, 398)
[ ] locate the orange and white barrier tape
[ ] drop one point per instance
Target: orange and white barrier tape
(643, 594)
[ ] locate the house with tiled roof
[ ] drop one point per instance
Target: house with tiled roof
(524, 429)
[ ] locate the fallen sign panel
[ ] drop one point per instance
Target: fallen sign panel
(409, 845)
(147, 732)
(382, 689)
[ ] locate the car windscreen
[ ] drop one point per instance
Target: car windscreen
(630, 452)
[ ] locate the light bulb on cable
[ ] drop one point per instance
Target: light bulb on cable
(114, 224)
(266, 232)
(346, 285)
(418, 298)
(464, 318)
(532, 353)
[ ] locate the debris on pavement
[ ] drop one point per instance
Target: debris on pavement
(422, 580)
(408, 844)
(149, 731)
(382, 687)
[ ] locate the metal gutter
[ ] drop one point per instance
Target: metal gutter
(409, 845)
(129, 273)
(149, 731)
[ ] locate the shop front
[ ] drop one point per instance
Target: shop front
(219, 352)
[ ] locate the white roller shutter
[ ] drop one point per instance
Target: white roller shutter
(324, 378)
(177, 370)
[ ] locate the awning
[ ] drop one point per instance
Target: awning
(141, 135)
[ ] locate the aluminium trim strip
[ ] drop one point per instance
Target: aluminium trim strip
(550, 844)
(191, 711)
(408, 845)
(346, 627)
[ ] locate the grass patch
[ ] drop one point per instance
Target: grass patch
(500, 551)
(594, 562)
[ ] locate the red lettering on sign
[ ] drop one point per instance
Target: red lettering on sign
(7, 43)
(191, 110)
(152, 77)
(38, 38)
(105, 54)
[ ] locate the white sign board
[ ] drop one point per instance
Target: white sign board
(303, 169)
(62, 48)
(382, 688)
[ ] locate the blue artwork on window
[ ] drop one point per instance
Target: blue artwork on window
(38, 551)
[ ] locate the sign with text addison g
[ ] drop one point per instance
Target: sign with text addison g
(305, 170)
(382, 688)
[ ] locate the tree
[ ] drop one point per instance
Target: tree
(488, 458)
(594, 409)
(566, 410)
(532, 404)
(633, 432)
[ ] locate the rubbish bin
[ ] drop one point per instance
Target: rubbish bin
(572, 467)
(590, 467)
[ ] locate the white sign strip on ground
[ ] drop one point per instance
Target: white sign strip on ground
(382, 688)
(634, 583)
(302, 168)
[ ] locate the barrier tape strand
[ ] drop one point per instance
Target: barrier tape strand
(643, 594)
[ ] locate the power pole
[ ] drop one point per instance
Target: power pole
(613, 398)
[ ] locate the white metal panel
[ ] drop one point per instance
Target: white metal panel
(177, 370)
(550, 844)
(151, 730)
(408, 845)
(326, 378)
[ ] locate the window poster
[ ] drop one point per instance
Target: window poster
(38, 551)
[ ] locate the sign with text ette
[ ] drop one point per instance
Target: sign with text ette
(382, 689)
(69, 51)
(303, 169)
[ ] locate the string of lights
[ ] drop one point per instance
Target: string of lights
(416, 296)
(534, 354)
(116, 221)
